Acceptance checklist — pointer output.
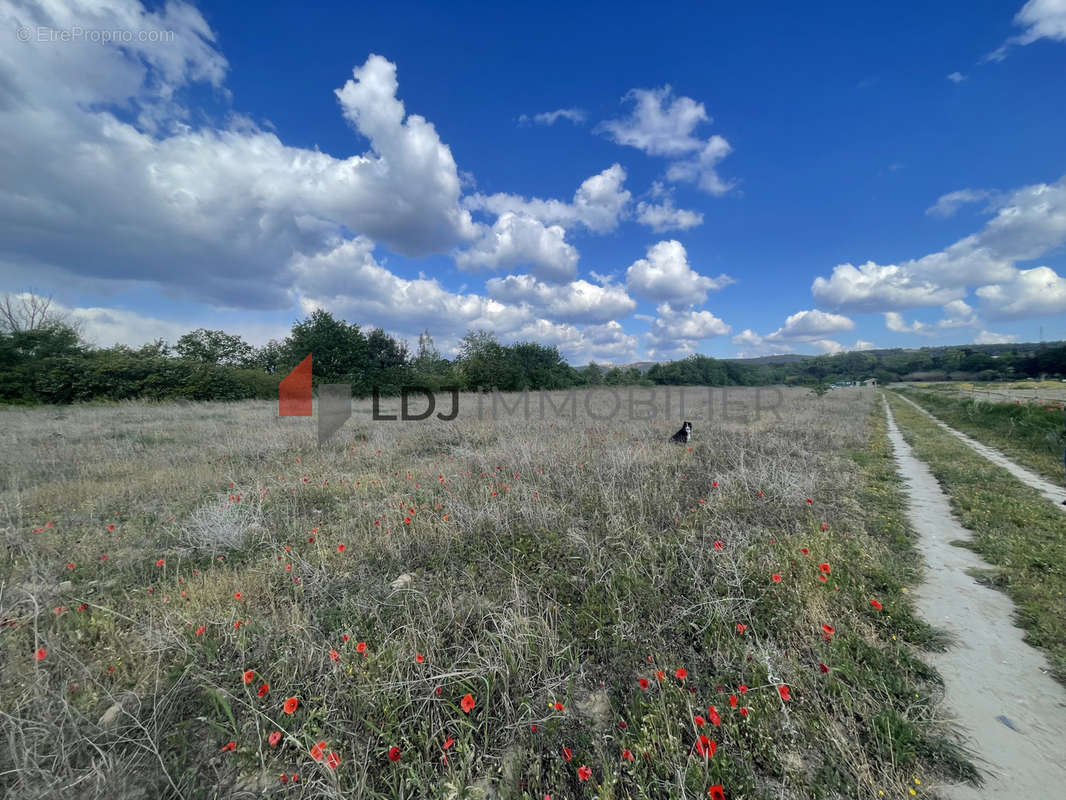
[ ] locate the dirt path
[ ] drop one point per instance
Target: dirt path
(1056, 494)
(1012, 714)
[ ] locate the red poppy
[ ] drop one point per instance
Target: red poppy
(290, 705)
(824, 568)
(248, 676)
(263, 690)
(810, 501)
(236, 595)
(876, 605)
(360, 647)
(438, 691)
(229, 747)
(110, 527)
(447, 743)
(716, 792)
(200, 630)
(776, 578)
(681, 673)
(659, 675)
(333, 760)
(700, 721)
(823, 668)
(467, 703)
(274, 738)
(70, 565)
(733, 699)
(705, 746)
(743, 711)
(805, 551)
(718, 545)
(419, 658)
(394, 753)
(743, 689)
(712, 714)
(784, 692)
(741, 628)
(340, 548)
(160, 562)
(822, 578)
(316, 751)
(627, 755)
(41, 653)
(583, 773)
(334, 655)
(825, 526)
(829, 630)
(558, 706)
(643, 683)
(567, 755)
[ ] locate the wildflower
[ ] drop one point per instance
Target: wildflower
(229, 747)
(316, 751)
(438, 691)
(360, 647)
(200, 630)
(643, 683)
(809, 501)
(743, 711)
(394, 753)
(743, 688)
(236, 595)
(705, 746)
(716, 792)
(700, 721)
(419, 658)
(467, 703)
(340, 548)
(659, 675)
(263, 690)
(274, 738)
(733, 699)
(712, 714)
(103, 556)
(290, 705)
(334, 655)
(70, 565)
(876, 605)
(824, 568)
(333, 760)
(567, 755)
(805, 551)
(110, 527)
(41, 653)
(681, 673)
(447, 743)
(784, 692)
(583, 773)
(558, 706)
(248, 676)
(823, 668)
(829, 630)
(822, 578)
(627, 755)
(718, 545)
(776, 578)
(741, 628)
(160, 562)
(825, 527)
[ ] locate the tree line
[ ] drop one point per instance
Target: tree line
(44, 359)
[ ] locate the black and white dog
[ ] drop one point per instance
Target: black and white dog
(683, 435)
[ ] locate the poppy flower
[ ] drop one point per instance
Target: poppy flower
(825, 527)
(712, 714)
(823, 668)
(718, 545)
(627, 755)
(340, 548)
(160, 562)
(419, 658)
(334, 655)
(876, 605)
(643, 683)
(805, 551)
(784, 692)
(741, 628)
(733, 699)
(824, 568)
(700, 721)
(705, 746)
(290, 705)
(70, 565)
(248, 676)
(229, 747)
(659, 675)
(822, 578)
(438, 691)
(263, 690)
(447, 743)
(716, 792)
(41, 653)
(681, 673)
(394, 753)
(776, 578)
(567, 754)
(316, 751)
(743, 689)
(200, 630)
(333, 760)
(583, 773)
(274, 738)
(467, 703)
(558, 706)
(110, 527)
(743, 711)
(829, 630)
(236, 595)
(809, 501)
(360, 647)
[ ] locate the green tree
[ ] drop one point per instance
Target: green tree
(339, 350)
(214, 347)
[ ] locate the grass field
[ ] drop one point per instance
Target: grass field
(1016, 529)
(1031, 435)
(199, 602)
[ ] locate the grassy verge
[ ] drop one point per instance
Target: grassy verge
(1015, 529)
(1031, 435)
(510, 609)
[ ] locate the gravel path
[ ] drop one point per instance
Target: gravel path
(1012, 715)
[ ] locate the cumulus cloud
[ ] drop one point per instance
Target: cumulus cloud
(661, 124)
(664, 216)
(1042, 19)
(598, 205)
(102, 174)
(1032, 293)
(958, 314)
(577, 301)
(828, 346)
(665, 275)
(946, 205)
(1028, 222)
(988, 337)
(676, 333)
(810, 325)
(895, 323)
(956, 77)
(515, 240)
(574, 115)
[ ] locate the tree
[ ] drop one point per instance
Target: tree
(339, 350)
(486, 364)
(28, 311)
(214, 347)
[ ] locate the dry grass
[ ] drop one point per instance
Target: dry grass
(529, 561)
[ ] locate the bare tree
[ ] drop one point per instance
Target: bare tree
(29, 311)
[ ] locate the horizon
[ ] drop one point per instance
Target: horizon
(731, 183)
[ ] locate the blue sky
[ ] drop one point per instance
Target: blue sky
(626, 185)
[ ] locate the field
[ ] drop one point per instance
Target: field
(201, 602)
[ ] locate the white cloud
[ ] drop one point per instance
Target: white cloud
(1033, 293)
(515, 241)
(956, 77)
(574, 115)
(665, 275)
(946, 205)
(599, 203)
(676, 333)
(958, 314)
(663, 125)
(828, 346)
(212, 213)
(664, 216)
(810, 325)
(864, 345)
(1042, 19)
(988, 337)
(894, 322)
(1028, 222)
(578, 301)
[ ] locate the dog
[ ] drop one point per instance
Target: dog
(684, 435)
